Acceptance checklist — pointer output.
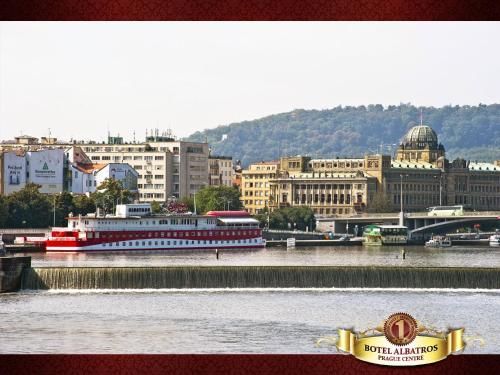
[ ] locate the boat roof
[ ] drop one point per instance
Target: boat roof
(238, 220)
(228, 213)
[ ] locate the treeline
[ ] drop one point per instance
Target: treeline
(28, 208)
(289, 218)
(472, 132)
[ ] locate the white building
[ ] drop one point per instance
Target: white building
(46, 168)
(166, 167)
(12, 172)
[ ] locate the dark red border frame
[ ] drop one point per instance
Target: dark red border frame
(233, 364)
(238, 10)
(267, 10)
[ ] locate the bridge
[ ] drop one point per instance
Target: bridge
(420, 224)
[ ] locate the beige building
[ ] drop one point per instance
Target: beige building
(255, 185)
(420, 175)
(220, 169)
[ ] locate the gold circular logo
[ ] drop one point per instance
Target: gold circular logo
(400, 329)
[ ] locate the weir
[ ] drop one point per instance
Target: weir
(180, 277)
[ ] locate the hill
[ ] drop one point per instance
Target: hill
(472, 132)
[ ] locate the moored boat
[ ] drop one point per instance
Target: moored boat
(134, 227)
(495, 240)
(439, 241)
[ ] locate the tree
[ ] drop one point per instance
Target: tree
(110, 193)
(380, 204)
(29, 208)
(82, 205)
(4, 211)
(217, 198)
(301, 218)
(156, 207)
(64, 205)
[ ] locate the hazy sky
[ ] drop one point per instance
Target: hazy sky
(79, 79)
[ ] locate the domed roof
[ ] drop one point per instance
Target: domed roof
(421, 136)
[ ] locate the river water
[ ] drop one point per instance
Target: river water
(240, 320)
(481, 256)
(227, 321)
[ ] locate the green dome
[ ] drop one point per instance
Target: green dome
(420, 137)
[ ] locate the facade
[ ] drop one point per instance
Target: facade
(220, 170)
(166, 167)
(419, 175)
(12, 172)
(255, 185)
(42, 167)
(46, 168)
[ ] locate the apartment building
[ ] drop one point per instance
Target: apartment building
(220, 170)
(255, 185)
(167, 168)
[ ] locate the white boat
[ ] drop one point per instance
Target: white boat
(439, 241)
(134, 227)
(495, 240)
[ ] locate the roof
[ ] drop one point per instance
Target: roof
(420, 134)
(325, 175)
(484, 167)
(412, 165)
(228, 213)
(88, 168)
(239, 220)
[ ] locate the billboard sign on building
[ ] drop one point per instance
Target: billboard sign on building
(46, 169)
(14, 172)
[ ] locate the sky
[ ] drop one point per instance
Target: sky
(83, 79)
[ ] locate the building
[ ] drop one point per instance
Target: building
(12, 172)
(167, 168)
(255, 185)
(57, 170)
(44, 167)
(328, 186)
(220, 170)
(417, 178)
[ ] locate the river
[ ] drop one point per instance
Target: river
(240, 320)
(481, 256)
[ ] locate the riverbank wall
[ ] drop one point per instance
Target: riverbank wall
(181, 277)
(11, 270)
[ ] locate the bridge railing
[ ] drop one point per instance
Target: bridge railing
(408, 215)
(24, 230)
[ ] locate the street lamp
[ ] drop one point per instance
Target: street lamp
(401, 214)
(440, 189)
(194, 197)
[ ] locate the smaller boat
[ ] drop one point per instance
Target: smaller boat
(495, 240)
(439, 241)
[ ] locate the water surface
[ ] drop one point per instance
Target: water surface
(456, 256)
(227, 321)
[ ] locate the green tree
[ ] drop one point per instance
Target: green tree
(4, 211)
(380, 204)
(217, 198)
(28, 208)
(301, 218)
(110, 193)
(189, 202)
(82, 205)
(156, 207)
(64, 205)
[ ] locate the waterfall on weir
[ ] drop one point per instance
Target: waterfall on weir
(259, 277)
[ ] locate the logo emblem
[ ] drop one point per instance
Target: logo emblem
(400, 329)
(45, 166)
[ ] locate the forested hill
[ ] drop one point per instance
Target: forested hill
(472, 132)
